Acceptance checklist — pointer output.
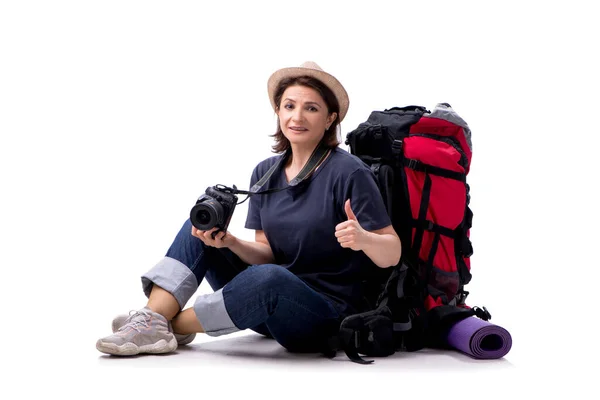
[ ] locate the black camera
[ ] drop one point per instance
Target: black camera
(214, 208)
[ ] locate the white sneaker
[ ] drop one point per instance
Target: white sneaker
(144, 331)
(182, 340)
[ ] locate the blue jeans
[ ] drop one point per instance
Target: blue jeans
(266, 298)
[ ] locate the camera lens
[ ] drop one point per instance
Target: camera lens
(203, 217)
(207, 214)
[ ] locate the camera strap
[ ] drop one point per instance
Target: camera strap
(314, 161)
(316, 158)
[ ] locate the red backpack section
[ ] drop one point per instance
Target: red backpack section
(437, 157)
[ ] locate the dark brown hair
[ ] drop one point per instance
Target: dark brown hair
(330, 138)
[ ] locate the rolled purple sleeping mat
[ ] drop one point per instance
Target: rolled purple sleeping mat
(479, 339)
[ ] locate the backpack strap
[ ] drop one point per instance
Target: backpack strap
(379, 332)
(385, 181)
(422, 217)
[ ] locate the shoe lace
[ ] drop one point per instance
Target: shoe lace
(136, 320)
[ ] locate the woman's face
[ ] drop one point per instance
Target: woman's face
(303, 116)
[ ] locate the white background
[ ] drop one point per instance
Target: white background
(116, 115)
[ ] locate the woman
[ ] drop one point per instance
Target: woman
(313, 242)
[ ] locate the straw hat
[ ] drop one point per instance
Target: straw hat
(311, 69)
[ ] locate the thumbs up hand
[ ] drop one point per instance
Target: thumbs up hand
(349, 211)
(349, 233)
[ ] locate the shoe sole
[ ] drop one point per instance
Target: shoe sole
(131, 349)
(181, 341)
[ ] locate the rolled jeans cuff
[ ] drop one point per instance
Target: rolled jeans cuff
(212, 314)
(174, 277)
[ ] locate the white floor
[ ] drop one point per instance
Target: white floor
(251, 366)
(248, 366)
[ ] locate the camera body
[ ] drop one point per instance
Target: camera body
(213, 209)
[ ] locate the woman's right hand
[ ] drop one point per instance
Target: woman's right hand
(222, 239)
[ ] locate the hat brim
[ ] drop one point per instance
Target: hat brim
(329, 80)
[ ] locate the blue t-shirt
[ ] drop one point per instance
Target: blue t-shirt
(300, 222)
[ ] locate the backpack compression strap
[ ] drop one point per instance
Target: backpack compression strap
(430, 169)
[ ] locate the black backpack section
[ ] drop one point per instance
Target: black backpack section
(397, 320)
(378, 142)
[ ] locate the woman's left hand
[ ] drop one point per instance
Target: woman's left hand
(349, 233)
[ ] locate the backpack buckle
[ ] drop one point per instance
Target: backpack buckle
(482, 313)
(377, 131)
(414, 164)
(397, 147)
(461, 297)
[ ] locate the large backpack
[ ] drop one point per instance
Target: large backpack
(421, 160)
